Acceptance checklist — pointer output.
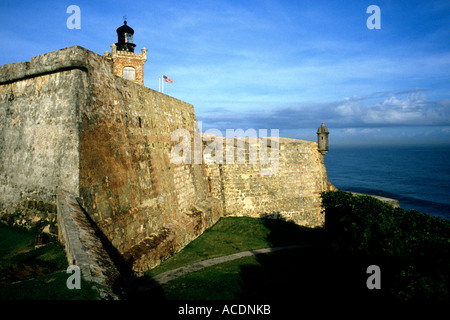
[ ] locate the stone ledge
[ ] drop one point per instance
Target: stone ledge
(82, 245)
(173, 237)
(74, 57)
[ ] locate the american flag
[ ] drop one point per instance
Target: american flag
(167, 79)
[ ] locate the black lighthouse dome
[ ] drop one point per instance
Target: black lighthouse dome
(125, 38)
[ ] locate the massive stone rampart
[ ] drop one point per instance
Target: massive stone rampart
(68, 122)
(39, 102)
(148, 206)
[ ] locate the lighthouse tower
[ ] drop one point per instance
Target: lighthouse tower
(126, 63)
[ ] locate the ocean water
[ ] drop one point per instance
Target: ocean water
(417, 176)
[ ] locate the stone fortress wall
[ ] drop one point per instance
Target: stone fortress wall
(68, 123)
(289, 189)
(39, 103)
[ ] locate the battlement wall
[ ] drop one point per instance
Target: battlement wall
(289, 188)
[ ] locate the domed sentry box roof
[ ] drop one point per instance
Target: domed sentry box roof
(322, 129)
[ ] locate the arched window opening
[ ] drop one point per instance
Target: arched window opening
(129, 73)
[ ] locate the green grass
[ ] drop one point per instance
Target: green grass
(311, 274)
(304, 275)
(19, 260)
(14, 240)
(34, 274)
(235, 234)
(47, 287)
(46, 266)
(204, 284)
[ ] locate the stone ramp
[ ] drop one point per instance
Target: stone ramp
(83, 247)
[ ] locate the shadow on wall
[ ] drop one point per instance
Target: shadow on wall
(128, 285)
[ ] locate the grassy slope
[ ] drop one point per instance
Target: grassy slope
(306, 275)
(47, 287)
(28, 273)
(14, 241)
(319, 273)
(235, 234)
(301, 274)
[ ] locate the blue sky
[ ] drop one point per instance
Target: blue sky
(287, 65)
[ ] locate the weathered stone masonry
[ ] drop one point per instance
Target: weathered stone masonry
(293, 191)
(39, 102)
(68, 122)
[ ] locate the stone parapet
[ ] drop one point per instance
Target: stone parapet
(57, 61)
(114, 53)
(292, 192)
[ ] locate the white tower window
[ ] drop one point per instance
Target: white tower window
(129, 73)
(128, 38)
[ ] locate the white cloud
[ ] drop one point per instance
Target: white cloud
(404, 108)
(370, 130)
(349, 107)
(409, 110)
(350, 131)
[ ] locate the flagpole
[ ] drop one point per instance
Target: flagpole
(162, 83)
